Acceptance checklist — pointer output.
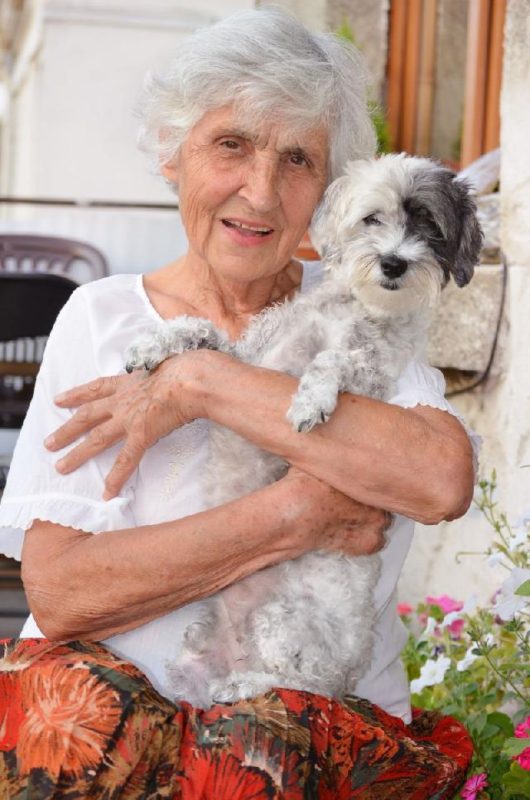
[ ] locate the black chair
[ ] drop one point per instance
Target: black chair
(37, 276)
(29, 304)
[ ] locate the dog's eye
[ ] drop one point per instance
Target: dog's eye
(424, 217)
(371, 219)
(423, 214)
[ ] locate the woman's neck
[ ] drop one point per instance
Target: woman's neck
(184, 287)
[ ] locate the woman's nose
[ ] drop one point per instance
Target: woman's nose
(261, 185)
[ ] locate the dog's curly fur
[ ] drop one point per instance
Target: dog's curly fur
(390, 231)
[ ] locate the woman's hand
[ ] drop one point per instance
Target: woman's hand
(138, 409)
(329, 520)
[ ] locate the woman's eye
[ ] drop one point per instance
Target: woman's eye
(371, 219)
(298, 159)
(230, 144)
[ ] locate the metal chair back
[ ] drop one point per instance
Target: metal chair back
(29, 253)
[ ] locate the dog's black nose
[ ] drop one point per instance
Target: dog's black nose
(393, 266)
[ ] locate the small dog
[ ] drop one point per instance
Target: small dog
(390, 232)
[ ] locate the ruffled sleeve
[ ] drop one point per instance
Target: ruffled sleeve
(422, 385)
(35, 490)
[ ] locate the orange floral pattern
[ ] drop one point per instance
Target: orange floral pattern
(11, 710)
(77, 722)
(70, 718)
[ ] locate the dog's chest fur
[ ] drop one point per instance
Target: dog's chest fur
(287, 337)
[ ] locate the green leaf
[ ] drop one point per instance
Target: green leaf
(487, 700)
(450, 710)
(478, 723)
(502, 721)
(512, 747)
(521, 715)
(489, 731)
(516, 781)
(346, 31)
(524, 589)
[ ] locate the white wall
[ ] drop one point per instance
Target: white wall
(72, 127)
(88, 76)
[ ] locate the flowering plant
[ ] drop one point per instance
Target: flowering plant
(473, 662)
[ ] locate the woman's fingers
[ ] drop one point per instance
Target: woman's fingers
(84, 419)
(98, 440)
(138, 438)
(87, 392)
(137, 409)
(105, 435)
(126, 462)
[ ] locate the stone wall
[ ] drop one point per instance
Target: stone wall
(450, 74)
(368, 20)
(499, 410)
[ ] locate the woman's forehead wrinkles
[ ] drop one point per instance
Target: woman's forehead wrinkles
(237, 131)
(309, 142)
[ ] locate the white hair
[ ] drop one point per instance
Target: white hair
(271, 67)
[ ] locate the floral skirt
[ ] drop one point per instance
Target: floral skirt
(76, 721)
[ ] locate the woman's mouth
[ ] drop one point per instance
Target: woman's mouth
(247, 229)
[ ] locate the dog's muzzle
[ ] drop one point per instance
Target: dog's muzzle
(393, 267)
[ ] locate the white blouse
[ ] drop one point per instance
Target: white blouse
(88, 340)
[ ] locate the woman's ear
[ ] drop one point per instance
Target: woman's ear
(170, 172)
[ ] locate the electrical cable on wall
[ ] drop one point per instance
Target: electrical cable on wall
(484, 375)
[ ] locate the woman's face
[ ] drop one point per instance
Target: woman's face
(247, 192)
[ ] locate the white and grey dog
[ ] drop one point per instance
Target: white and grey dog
(390, 231)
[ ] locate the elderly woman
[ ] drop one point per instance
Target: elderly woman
(254, 119)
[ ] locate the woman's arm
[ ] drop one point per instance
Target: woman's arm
(92, 586)
(417, 462)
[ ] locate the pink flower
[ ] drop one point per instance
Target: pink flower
(523, 730)
(455, 628)
(445, 603)
(524, 758)
(404, 609)
(474, 785)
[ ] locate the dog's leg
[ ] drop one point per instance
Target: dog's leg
(172, 337)
(331, 372)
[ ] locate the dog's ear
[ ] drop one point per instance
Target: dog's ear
(470, 236)
(325, 229)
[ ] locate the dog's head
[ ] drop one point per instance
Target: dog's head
(398, 227)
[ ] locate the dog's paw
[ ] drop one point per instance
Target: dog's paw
(146, 352)
(304, 414)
